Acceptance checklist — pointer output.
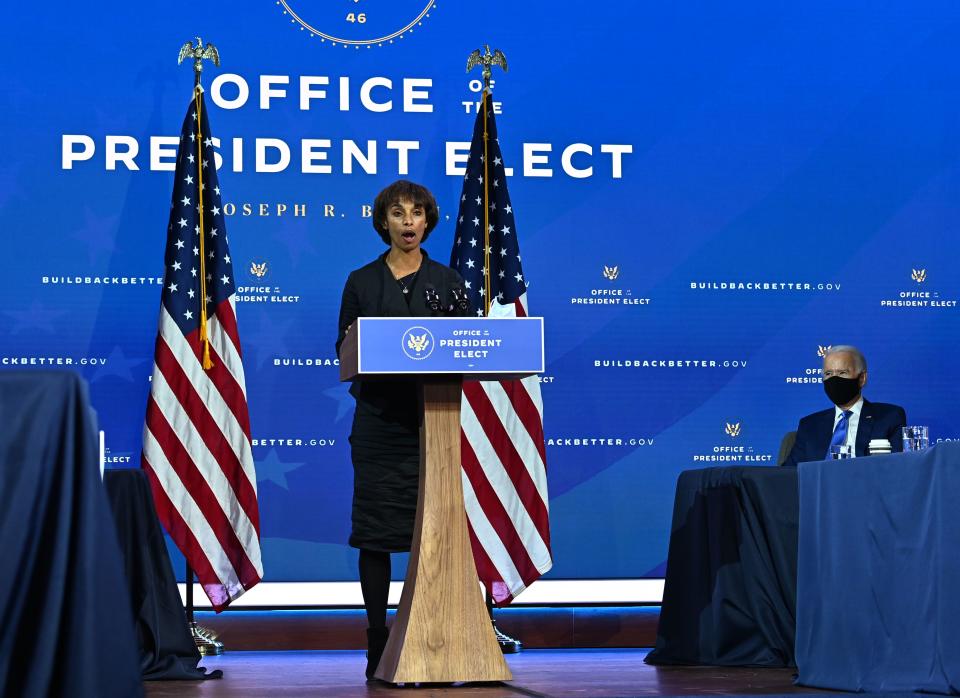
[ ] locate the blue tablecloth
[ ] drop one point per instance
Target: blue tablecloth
(730, 589)
(167, 650)
(66, 626)
(878, 587)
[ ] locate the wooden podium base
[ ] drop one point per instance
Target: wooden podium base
(442, 632)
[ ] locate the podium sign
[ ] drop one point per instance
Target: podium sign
(450, 345)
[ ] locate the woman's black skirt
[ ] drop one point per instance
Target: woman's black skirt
(385, 449)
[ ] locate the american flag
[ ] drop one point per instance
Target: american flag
(196, 437)
(502, 447)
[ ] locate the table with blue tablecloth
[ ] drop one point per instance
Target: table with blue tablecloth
(67, 629)
(730, 590)
(878, 587)
(167, 649)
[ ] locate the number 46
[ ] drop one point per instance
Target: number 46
(361, 18)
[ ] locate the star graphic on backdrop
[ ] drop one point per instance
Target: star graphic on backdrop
(36, 317)
(98, 233)
(340, 394)
(272, 469)
(10, 184)
(117, 365)
(111, 120)
(266, 338)
(295, 236)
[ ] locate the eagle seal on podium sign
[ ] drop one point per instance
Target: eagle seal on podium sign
(417, 343)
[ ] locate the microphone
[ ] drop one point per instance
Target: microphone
(432, 298)
(460, 300)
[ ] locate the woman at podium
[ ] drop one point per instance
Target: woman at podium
(385, 437)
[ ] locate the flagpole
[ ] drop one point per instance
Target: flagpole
(486, 199)
(204, 337)
(204, 638)
(189, 579)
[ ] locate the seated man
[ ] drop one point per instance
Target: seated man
(853, 420)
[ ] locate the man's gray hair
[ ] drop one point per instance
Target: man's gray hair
(859, 359)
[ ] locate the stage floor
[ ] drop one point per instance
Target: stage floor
(536, 673)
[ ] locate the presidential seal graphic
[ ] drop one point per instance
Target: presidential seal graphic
(357, 23)
(258, 271)
(417, 343)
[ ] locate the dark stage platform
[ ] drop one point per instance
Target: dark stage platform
(537, 673)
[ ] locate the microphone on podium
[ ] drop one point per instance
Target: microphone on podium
(433, 299)
(460, 301)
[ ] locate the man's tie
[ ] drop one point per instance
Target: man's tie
(839, 432)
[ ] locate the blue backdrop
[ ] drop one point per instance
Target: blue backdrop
(767, 179)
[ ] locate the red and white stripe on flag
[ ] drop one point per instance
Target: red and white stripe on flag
(197, 455)
(505, 478)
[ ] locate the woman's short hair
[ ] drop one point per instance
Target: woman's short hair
(403, 190)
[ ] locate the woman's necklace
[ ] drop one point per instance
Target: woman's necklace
(404, 287)
(413, 279)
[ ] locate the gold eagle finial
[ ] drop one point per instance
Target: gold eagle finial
(199, 53)
(486, 59)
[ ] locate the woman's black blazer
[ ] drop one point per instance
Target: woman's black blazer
(371, 291)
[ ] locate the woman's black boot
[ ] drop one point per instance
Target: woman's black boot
(376, 641)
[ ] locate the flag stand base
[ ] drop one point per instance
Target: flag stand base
(508, 645)
(206, 640)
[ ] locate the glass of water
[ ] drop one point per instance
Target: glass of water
(841, 451)
(915, 438)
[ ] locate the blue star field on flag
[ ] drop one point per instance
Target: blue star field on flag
(181, 283)
(507, 282)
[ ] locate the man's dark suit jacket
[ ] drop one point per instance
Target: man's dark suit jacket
(878, 420)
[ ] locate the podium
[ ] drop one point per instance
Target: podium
(442, 632)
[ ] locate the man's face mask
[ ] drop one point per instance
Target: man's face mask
(842, 391)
